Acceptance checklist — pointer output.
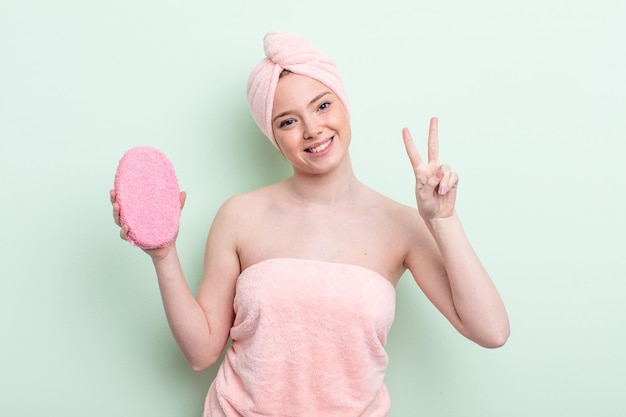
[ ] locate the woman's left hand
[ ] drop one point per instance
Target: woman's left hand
(435, 184)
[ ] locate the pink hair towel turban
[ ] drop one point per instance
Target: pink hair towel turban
(292, 52)
(149, 197)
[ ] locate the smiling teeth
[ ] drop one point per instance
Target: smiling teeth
(319, 148)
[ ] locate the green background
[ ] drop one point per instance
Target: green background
(531, 98)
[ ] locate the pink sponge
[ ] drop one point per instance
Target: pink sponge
(149, 197)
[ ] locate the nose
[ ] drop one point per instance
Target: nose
(312, 127)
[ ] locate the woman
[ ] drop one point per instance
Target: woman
(301, 274)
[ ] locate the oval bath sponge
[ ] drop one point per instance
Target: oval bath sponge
(148, 194)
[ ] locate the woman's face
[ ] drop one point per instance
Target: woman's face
(310, 124)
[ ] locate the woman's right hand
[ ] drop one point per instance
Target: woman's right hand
(157, 253)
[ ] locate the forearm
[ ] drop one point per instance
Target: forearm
(186, 318)
(476, 300)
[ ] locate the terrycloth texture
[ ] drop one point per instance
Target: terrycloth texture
(308, 341)
(149, 198)
(292, 52)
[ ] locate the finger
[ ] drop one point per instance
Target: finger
(433, 140)
(444, 184)
(454, 182)
(124, 233)
(116, 214)
(183, 198)
(116, 207)
(411, 150)
(451, 185)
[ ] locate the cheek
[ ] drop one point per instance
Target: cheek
(286, 139)
(341, 122)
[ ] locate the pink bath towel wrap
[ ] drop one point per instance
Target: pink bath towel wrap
(148, 194)
(308, 340)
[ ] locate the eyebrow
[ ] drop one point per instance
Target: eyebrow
(285, 113)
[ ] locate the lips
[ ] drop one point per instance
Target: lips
(319, 148)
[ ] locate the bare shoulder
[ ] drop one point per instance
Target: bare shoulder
(238, 214)
(246, 204)
(395, 232)
(234, 222)
(402, 220)
(394, 212)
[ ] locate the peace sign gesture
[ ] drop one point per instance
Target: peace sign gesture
(435, 184)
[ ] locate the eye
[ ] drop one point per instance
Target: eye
(286, 123)
(325, 105)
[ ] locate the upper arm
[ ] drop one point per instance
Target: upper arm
(221, 269)
(426, 265)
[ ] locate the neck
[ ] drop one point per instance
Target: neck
(325, 189)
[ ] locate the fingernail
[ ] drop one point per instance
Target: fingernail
(442, 190)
